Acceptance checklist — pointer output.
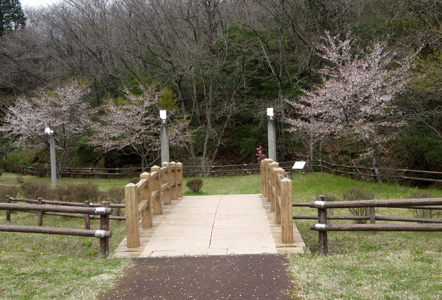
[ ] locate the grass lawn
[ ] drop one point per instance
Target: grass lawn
(388, 265)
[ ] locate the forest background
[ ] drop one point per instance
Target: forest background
(216, 66)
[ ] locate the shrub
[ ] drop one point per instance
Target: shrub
(114, 195)
(195, 184)
(424, 213)
(34, 190)
(357, 193)
(8, 190)
(20, 179)
(81, 192)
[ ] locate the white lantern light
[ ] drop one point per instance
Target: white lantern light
(49, 131)
(270, 112)
(163, 114)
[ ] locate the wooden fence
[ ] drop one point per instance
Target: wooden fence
(389, 174)
(86, 217)
(154, 189)
(323, 220)
(103, 212)
(278, 191)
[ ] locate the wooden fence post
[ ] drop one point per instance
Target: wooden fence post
(287, 211)
(173, 181)
(87, 218)
(104, 225)
(132, 227)
(264, 176)
(165, 180)
(40, 213)
(373, 218)
(322, 235)
(180, 178)
(145, 194)
(272, 180)
(8, 212)
(279, 175)
(157, 205)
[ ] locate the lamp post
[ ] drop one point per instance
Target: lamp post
(50, 132)
(271, 134)
(164, 137)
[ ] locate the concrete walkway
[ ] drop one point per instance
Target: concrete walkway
(212, 225)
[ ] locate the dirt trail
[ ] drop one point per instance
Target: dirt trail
(207, 277)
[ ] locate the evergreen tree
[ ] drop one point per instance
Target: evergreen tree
(12, 16)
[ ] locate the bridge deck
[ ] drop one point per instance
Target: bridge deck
(213, 225)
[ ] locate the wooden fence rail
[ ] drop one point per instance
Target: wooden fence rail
(154, 189)
(103, 212)
(86, 217)
(322, 226)
(278, 191)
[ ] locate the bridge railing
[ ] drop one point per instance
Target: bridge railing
(160, 186)
(278, 191)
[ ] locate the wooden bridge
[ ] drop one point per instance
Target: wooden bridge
(161, 222)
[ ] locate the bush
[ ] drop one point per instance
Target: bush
(195, 184)
(357, 193)
(81, 192)
(20, 179)
(114, 195)
(8, 190)
(424, 213)
(33, 190)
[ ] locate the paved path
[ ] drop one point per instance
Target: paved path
(212, 225)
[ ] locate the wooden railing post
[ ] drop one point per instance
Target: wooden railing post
(279, 175)
(40, 213)
(286, 211)
(264, 176)
(132, 227)
(173, 181)
(145, 194)
(87, 218)
(104, 225)
(157, 205)
(165, 183)
(8, 212)
(322, 219)
(180, 179)
(272, 181)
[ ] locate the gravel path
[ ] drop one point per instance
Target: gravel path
(207, 277)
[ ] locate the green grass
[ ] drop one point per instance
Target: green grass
(388, 265)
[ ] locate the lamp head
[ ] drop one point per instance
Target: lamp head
(163, 115)
(270, 112)
(49, 131)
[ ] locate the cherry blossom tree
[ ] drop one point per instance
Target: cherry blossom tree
(132, 125)
(61, 109)
(355, 98)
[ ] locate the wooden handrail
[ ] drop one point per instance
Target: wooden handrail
(278, 191)
(157, 188)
